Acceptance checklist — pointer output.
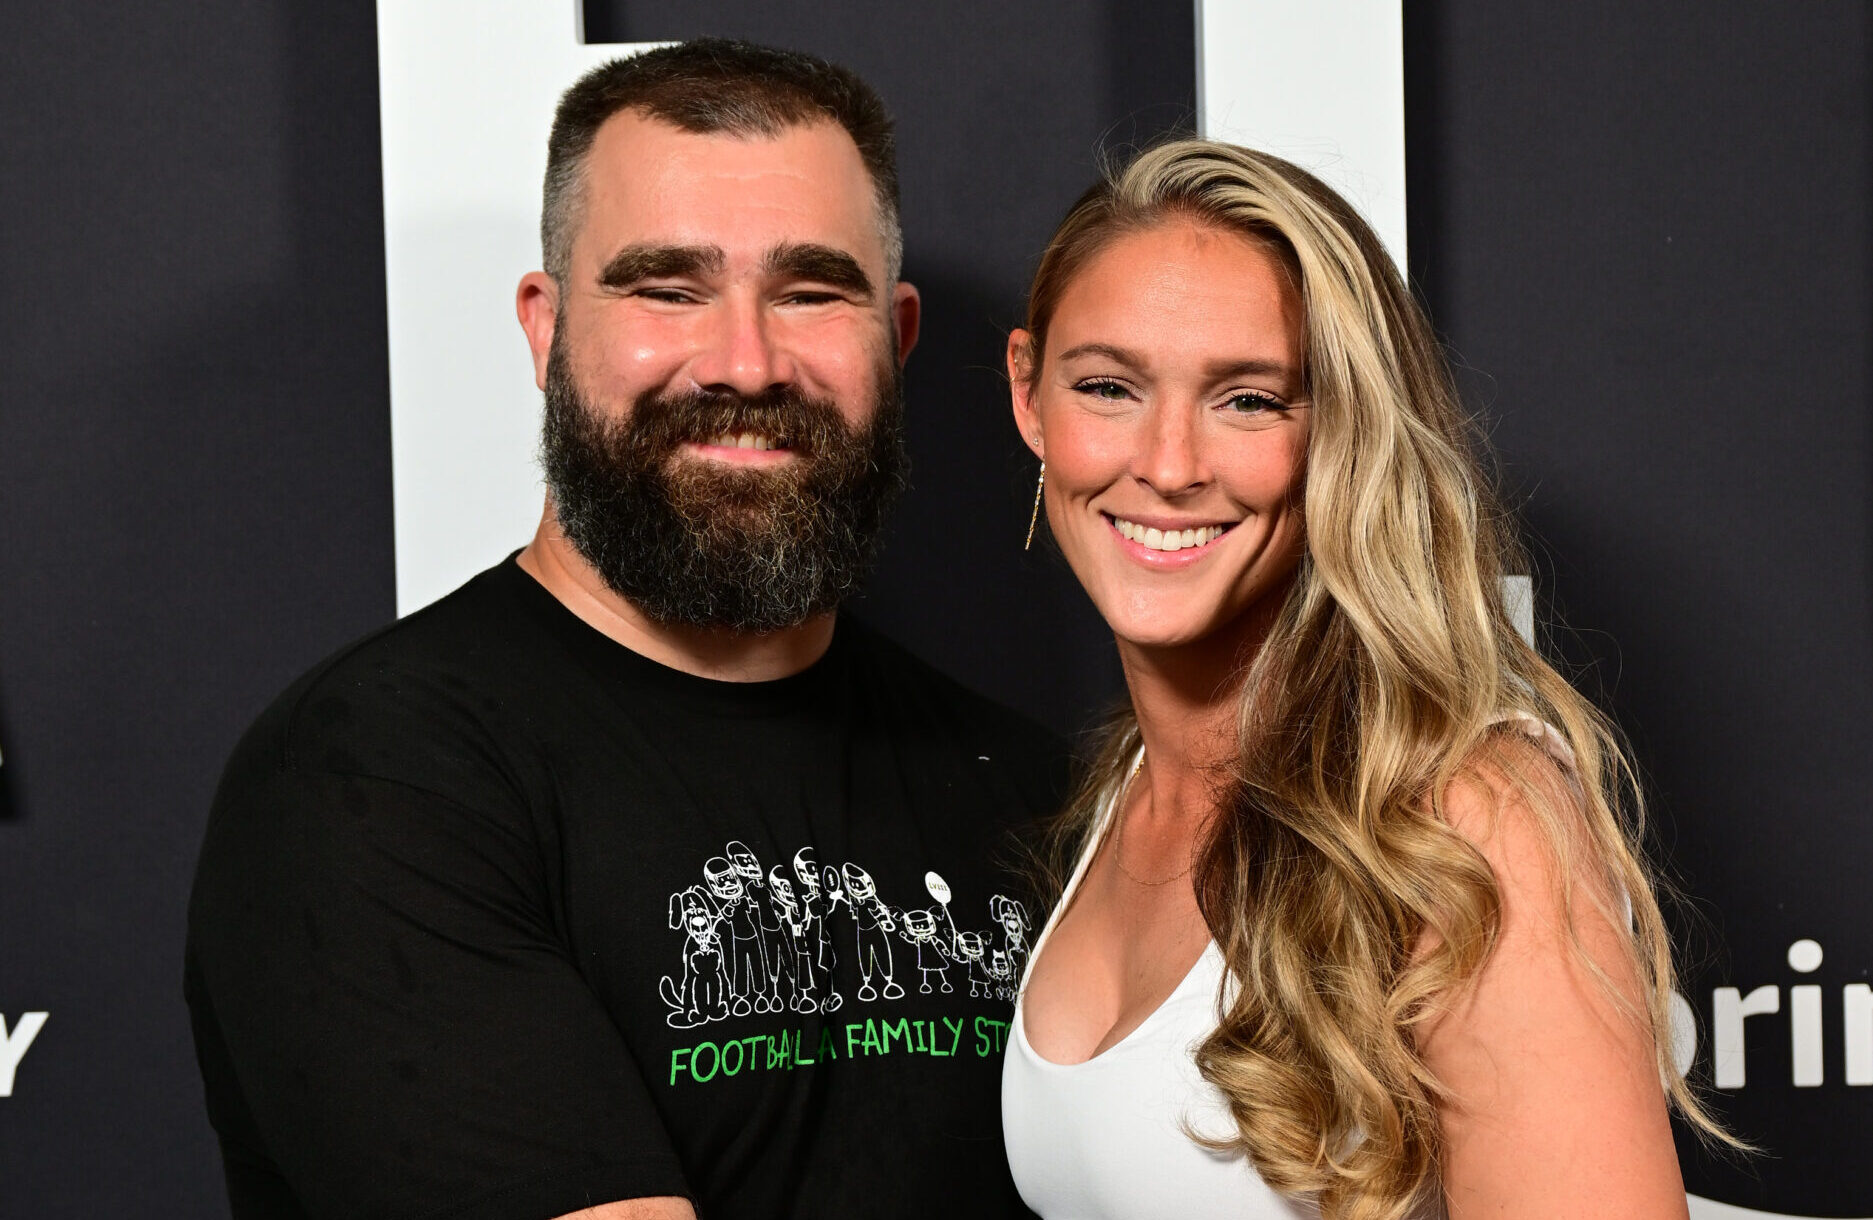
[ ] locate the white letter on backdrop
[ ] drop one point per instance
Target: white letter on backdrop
(13, 1046)
(468, 89)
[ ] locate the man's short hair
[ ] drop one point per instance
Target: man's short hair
(714, 85)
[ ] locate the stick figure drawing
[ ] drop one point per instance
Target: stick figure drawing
(761, 940)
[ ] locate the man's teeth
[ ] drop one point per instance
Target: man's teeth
(1167, 540)
(745, 440)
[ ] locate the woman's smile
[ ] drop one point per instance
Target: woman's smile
(1163, 539)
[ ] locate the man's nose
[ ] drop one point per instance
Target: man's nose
(741, 353)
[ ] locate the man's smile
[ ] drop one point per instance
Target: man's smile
(742, 449)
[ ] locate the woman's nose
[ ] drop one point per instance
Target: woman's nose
(1170, 459)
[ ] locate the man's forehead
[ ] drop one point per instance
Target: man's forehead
(650, 181)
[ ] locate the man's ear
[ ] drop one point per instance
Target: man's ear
(1021, 381)
(536, 303)
(906, 318)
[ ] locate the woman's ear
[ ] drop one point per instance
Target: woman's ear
(1021, 381)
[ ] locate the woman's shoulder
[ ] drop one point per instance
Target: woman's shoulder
(1520, 779)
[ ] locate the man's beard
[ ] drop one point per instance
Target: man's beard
(705, 544)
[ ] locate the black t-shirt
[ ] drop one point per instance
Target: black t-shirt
(497, 919)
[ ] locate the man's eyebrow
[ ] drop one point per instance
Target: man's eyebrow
(822, 264)
(644, 261)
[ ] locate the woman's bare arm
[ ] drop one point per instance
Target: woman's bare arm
(1557, 1109)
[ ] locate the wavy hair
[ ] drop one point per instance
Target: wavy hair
(1343, 902)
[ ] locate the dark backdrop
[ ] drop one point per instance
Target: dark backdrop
(1645, 234)
(194, 505)
(1644, 229)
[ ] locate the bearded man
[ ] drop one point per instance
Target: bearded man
(459, 929)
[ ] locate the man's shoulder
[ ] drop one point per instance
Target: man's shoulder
(402, 696)
(397, 746)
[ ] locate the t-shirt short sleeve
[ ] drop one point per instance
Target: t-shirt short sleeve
(389, 1023)
(496, 919)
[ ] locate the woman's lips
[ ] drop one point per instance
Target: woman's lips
(1166, 539)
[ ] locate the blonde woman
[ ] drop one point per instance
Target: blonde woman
(1352, 919)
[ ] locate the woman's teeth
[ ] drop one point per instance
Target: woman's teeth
(1167, 540)
(745, 440)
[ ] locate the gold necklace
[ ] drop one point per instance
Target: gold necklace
(1118, 833)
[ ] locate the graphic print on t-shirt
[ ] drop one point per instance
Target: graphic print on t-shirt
(759, 941)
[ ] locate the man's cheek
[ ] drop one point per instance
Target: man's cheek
(840, 354)
(647, 354)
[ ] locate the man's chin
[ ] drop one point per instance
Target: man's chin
(698, 488)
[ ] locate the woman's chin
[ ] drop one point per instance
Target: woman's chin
(1162, 636)
(1163, 625)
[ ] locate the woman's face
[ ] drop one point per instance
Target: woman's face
(1170, 410)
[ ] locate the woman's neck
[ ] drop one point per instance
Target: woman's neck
(1187, 699)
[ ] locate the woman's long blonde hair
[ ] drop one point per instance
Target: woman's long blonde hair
(1391, 663)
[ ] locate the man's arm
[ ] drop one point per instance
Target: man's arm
(392, 1014)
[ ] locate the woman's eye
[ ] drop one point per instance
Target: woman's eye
(1111, 391)
(1248, 402)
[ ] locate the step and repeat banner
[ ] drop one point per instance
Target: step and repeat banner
(263, 390)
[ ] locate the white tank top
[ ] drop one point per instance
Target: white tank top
(1109, 1139)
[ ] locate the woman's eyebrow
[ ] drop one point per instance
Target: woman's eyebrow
(1221, 370)
(1110, 351)
(644, 261)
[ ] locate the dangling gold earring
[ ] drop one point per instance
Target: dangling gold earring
(1035, 516)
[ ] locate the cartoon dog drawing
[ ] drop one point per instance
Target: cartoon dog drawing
(703, 993)
(872, 922)
(920, 929)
